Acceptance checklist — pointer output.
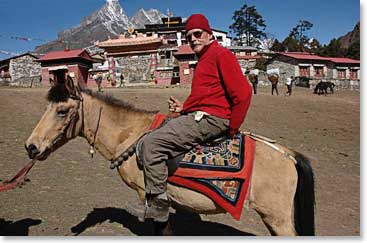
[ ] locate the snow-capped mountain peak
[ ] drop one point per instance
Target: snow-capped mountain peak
(109, 21)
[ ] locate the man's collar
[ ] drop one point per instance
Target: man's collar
(213, 42)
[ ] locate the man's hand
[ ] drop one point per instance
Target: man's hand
(174, 105)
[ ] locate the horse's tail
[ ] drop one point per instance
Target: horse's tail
(304, 217)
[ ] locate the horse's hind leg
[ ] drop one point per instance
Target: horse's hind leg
(276, 212)
(273, 186)
(277, 222)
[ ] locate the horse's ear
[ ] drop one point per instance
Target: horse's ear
(69, 85)
(52, 82)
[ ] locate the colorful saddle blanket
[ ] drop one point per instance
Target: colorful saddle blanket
(220, 170)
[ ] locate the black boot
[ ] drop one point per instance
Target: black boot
(156, 207)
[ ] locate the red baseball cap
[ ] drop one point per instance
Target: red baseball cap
(198, 21)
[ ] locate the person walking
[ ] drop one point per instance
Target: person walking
(289, 84)
(98, 79)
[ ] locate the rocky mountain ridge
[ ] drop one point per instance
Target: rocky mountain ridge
(107, 22)
(351, 37)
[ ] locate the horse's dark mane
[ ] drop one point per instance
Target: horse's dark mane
(110, 100)
(59, 93)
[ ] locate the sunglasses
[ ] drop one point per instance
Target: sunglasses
(197, 35)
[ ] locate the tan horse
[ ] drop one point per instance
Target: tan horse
(281, 189)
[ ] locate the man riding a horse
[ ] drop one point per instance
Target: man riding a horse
(218, 103)
(281, 186)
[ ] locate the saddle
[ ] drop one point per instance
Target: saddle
(220, 169)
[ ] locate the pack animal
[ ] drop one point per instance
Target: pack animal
(322, 88)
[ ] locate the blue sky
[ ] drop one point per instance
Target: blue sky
(43, 19)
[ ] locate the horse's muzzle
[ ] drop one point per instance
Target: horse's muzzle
(32, 151)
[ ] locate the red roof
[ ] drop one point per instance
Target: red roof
(343, 60)
(184, 50)
(304, 55)
(310, 56)
(66, 54)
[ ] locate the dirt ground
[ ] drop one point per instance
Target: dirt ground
(73, 194)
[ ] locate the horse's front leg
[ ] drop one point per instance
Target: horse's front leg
(133, 176)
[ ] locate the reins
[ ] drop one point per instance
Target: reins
(91, 150)
(18, 178)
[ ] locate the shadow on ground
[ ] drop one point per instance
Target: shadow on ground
(18, 228)
(182, 223)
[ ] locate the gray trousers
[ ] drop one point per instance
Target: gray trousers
(174, 138)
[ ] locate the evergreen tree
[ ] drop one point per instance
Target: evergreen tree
(354, 51)
(315, 46)
(291, 44)
(334, 49)
(277, 46)
(248, 25)
(298, 33)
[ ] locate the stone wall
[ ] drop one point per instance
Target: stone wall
(339, 83)
(24, 71)
(247, 64)
(286, 69)
(135, 69)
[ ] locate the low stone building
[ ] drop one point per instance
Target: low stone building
(58, 64)
(246, 56)
(137, 56)
(344, 72)
(21, 70)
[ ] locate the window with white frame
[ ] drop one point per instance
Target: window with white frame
(304, 71)
(353, 74)
(319, 71)
(341, 73)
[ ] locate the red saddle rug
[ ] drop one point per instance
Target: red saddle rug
(220, 170)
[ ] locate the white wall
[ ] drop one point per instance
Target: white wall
(225, 40)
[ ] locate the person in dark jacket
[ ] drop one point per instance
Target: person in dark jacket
(218, 103)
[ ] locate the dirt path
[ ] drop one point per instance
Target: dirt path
(72, 194)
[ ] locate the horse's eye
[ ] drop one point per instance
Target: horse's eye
(62, 113)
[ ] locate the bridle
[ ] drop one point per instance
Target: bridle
(69, 128)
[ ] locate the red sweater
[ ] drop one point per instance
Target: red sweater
(219, 87)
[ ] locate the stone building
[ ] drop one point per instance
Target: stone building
(136, 56)
(21, 70)
(343, 72)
